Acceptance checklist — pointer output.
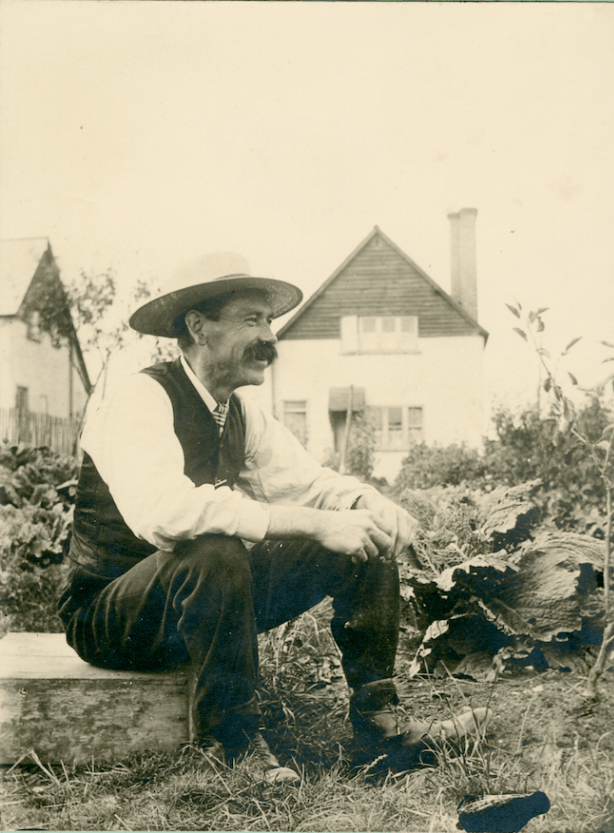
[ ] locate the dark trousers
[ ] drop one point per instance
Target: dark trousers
(206, 602)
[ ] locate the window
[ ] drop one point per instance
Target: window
(34, 326)
(388, 325)
(384, 334)
(295, 418)
(396, 427)
(414, 425)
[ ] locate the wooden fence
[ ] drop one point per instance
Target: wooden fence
(38, 430)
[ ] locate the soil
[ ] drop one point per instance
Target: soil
(551, 739)
(528, 711)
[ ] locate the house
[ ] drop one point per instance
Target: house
(381, 336)
(44, 382)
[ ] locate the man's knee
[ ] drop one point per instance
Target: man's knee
(213, 559)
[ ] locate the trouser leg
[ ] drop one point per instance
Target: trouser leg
(292, 576)
(206, 602)
(192, 605)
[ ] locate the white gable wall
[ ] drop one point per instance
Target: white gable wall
(7, 384)
(39, 367)
(444, 378)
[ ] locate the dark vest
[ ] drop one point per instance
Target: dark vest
(102, 540)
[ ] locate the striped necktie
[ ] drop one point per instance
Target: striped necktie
(219, 414)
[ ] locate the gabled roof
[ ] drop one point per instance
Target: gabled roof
(416, 270)
(19, 260)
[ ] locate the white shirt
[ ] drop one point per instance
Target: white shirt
(133, 444)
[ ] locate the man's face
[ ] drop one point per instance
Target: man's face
(239, 347)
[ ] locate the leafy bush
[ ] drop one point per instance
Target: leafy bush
(492, 594)
(528, 447)
(425, 467)
(37, 489)
(360, 451)
(571, 494)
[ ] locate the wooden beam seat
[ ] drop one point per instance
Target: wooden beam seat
(64, 709)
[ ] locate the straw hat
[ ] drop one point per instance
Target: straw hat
(211, 275)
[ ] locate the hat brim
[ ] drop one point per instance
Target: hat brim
(159, 316)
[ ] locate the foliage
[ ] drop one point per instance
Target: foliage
(535, 742)
(501, 594)
(37, 489)
(101, 319)
(492, 594)
(527, 447)
(425, 467)
(359, 458)
(47, 297)
(598, 452)
(91, 307)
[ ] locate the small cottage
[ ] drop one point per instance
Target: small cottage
(382, 338)
(43, 378)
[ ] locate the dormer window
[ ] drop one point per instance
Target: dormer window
(379, 334)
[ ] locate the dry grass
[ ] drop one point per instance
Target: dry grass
(305, 703)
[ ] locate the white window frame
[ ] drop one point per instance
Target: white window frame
(379, 334)
(409, 435)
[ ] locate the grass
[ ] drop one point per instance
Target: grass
(304, 703)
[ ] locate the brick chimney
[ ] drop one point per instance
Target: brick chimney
(463, 260)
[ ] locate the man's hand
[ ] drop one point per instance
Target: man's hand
(358, 533)
(398, 524)
(376, 527)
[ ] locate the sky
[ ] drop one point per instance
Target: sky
(139, 136)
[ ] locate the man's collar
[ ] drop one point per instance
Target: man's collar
(209, 400)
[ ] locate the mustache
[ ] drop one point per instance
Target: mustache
(262, 351)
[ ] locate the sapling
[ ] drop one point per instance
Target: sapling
(599, 451)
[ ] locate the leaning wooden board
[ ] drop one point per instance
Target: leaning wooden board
(53, 702)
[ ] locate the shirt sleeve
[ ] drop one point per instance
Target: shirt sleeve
(133, 444)
(278, 470)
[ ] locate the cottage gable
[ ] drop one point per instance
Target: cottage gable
(20, 260)
(43, 378)
(379, 280)
(33, 291)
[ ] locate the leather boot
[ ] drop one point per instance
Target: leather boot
(382, 730)
(211, 749)
(262, 764)
(241, 737)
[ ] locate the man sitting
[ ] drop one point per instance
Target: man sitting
(178, 472)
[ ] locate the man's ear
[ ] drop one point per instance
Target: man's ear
(195, 321)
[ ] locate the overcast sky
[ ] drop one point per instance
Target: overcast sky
(141, 135)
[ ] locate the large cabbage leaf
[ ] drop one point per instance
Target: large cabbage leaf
(545, 591)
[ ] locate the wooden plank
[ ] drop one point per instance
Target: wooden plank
(48, 656)
(65, 709)
(34, 644)
(70, 668)
(75, 720)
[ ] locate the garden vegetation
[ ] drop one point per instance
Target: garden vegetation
(503, 606)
